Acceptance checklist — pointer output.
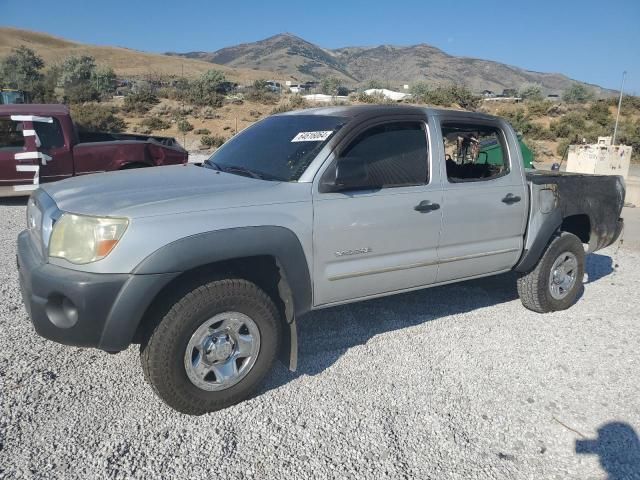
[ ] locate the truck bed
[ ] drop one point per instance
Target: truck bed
(93, 137)
(600, 197)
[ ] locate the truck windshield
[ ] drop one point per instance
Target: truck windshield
(277, 148)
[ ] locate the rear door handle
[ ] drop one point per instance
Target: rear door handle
(511, 198)
(426, 206)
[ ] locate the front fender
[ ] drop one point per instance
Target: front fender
(209, 247)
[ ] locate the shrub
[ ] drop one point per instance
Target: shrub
(212, 141)
(206, 91)
(538, 109)
(373, 98)
(577, 93)
(599, 113)
(202, 131)
(531, 92)
(295, 102)
(445, 96)
(184, 126)
(260, 93)
(91, 117)
(140, 102)
(155, 123)
(330, 86)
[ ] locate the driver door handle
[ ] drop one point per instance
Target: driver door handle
(511, 198)
(426, 206)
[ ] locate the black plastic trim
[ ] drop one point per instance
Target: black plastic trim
(210, 247)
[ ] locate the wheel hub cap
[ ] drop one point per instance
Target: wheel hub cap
(218, 347)
(222, 351)
(563, 276)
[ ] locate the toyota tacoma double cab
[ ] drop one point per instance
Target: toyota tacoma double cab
(40, 144)
(208, 268)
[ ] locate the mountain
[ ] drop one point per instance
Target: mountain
(125, 62)
(285, 54)
(294, 57)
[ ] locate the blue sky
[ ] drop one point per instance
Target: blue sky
(593, 41)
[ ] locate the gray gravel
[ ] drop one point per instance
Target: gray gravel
(452, 382)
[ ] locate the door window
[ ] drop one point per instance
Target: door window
(388, 155)
(474, 152)
(11, 138)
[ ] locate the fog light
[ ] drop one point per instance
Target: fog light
(61, 312)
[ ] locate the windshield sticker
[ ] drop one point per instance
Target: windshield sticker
(312, 136)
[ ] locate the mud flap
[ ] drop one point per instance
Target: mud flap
(289, 349)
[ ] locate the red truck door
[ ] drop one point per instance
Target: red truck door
(57, 147)
(33, 150)
(16, 175)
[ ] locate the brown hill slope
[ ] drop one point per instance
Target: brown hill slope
(125, 62)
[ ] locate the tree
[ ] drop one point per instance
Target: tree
(531, 92)
(21, 69)
(577, 93)
(104, 79)
(207, 90)
(76, 77)
(330, 85)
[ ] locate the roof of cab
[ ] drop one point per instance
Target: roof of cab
(391, 109)
(33, 109)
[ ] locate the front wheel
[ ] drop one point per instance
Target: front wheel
(556, 281)
(213, 348)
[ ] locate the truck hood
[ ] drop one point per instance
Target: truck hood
(166, 190)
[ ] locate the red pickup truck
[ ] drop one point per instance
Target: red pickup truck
(40, 143)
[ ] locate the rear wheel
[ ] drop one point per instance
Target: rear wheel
(213, 348)
(556, 281)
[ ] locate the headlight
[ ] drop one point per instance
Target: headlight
(84, 239)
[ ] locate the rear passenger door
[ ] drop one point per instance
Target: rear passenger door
(484, 200)
(380, 234)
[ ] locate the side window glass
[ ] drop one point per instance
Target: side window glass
(388, 155)
(474, 152)
(11, 138)
(50, 134)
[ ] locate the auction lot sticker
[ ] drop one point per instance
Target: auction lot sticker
(312, 136)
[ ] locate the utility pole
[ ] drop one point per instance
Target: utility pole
(615, 129)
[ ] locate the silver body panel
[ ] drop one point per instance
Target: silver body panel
(357, 245)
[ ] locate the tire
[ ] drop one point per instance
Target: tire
(542, 291)
(165, 362)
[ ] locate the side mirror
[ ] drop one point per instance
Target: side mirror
(351, 172)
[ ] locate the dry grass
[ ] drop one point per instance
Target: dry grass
(125, 62)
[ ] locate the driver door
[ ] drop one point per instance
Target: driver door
(380, 233)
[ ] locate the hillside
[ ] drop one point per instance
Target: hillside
(125, 62)
(290, 55)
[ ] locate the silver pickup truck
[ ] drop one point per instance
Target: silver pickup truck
(209, 267)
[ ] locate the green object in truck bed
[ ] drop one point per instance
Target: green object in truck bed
(493, 152)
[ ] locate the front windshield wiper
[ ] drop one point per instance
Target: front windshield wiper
(212, 164)
(248, 172)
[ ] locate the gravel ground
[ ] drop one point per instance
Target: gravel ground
(452, 382)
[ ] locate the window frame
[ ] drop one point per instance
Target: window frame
(347, 140)
(502, 139)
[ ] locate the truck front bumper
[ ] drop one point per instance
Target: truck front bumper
(84, 309)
